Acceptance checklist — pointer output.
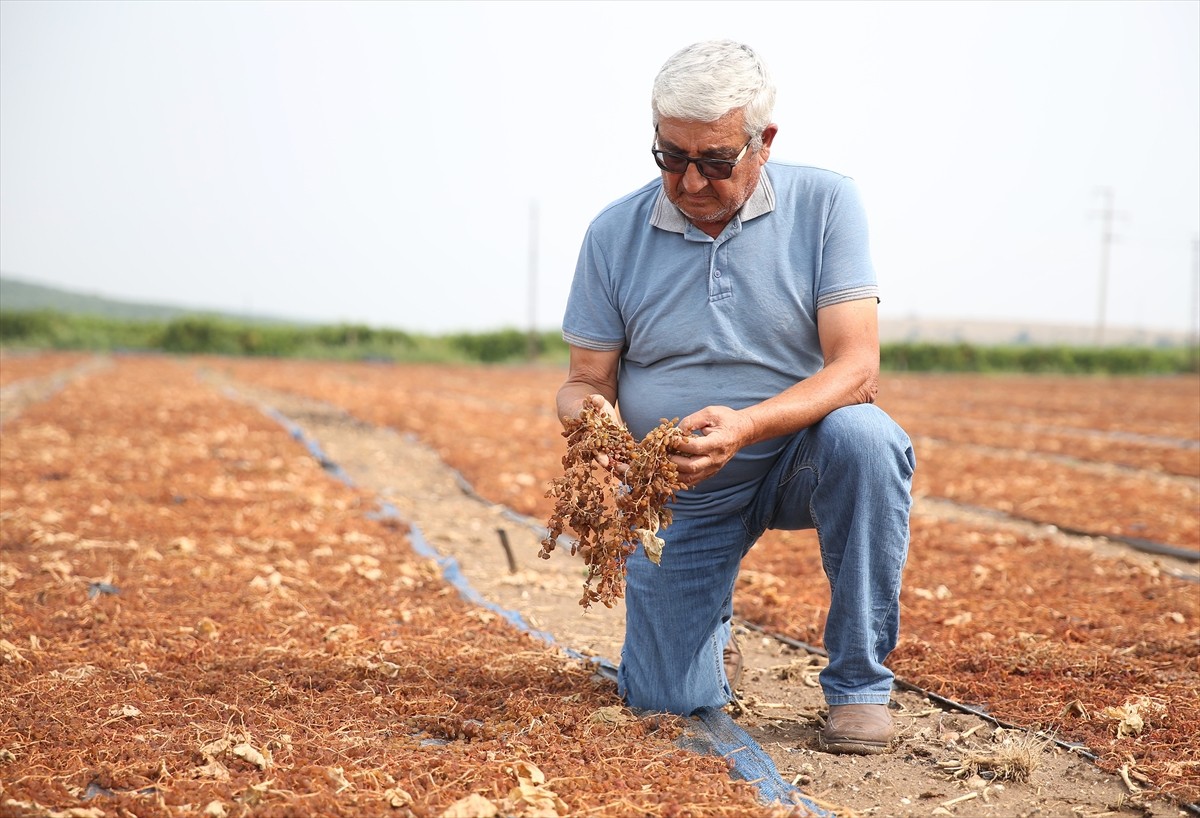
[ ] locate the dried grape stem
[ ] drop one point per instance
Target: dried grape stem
(612, 511)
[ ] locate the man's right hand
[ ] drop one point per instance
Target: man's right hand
(602, 405)
(592, 378)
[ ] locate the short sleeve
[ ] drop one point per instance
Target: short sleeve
(847, 273)
(592, 319)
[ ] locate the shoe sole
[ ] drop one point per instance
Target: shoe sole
(852, 747)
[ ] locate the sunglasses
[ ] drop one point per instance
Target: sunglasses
(717, 169)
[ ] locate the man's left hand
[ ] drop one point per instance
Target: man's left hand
(713, 436)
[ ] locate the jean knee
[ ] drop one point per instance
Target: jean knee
(867, 434)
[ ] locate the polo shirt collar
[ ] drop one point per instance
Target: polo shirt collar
(667, 216)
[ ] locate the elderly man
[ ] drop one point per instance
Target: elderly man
(738, 294)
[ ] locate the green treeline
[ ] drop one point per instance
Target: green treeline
(1068, 360)
(201, 335)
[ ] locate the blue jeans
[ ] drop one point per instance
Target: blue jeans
(849, 477)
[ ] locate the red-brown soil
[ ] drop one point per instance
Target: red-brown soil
(262, 606)
(25, 366)
(198, 620)
(1007, 621)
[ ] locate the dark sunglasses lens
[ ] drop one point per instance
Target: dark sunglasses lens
(714, 170)
(709, 169)
(670, 162)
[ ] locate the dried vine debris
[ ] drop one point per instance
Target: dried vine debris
(259, 643)
(612, 507)
(1115, 631)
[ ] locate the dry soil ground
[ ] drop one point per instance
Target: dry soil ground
(196, 619)
(927, 773)
(944, 760)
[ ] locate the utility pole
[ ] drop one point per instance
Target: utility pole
(1195, 311)
(1106, 237)
(531, 343)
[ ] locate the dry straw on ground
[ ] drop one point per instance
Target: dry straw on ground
(995, 615)
(198, 620)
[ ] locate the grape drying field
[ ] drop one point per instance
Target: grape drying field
(229, 629)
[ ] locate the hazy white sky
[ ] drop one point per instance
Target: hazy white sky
(378, 162)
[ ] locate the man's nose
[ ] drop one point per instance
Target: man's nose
(693, 180)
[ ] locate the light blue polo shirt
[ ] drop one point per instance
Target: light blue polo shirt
(729, 321)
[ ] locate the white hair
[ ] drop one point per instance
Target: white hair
(706, 81)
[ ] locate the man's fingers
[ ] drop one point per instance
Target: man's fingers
(607, 463)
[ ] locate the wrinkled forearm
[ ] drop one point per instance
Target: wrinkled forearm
(591, 373)
(849, 334)
(845, 382)
(573, 393)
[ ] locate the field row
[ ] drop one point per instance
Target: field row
(1150, 407)
(496, 425)
(18, 367)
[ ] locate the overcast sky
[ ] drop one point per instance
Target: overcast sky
(379, 162)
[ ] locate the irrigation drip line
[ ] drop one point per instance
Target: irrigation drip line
(1077, 432)
(1146, 546)
(949, 704)
(450, 567)
(711, 730)
(46, 386)
(1136, 543)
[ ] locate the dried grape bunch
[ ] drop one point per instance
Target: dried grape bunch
(612, 510)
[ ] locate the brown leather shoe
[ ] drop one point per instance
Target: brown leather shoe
(733, 662)
(862, 729)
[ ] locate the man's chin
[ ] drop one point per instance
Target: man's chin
(702, 216)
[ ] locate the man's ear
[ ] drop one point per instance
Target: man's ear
(768, 136)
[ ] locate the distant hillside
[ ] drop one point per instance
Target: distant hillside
(23, 296)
